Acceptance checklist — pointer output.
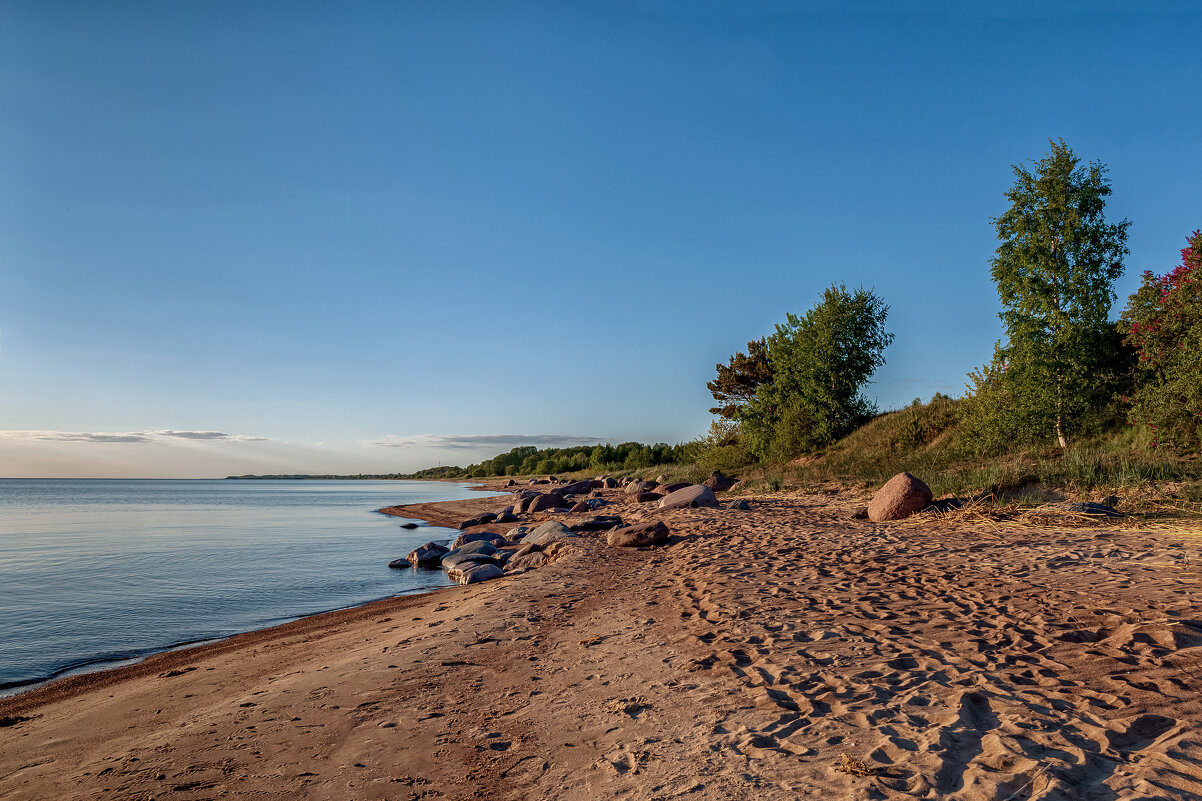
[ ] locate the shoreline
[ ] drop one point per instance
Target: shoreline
(84, 669)
(776, 653)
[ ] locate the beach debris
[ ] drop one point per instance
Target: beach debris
(902, 496)
(642, 535)
(1092, 509)
(690, 497)
(855, 767)
(718, 482)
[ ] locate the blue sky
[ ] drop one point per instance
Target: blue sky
(293, 237)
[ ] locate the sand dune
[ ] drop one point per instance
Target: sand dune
(785, 652)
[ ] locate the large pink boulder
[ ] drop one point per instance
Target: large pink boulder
(902, 496)
(691, 496)
(552, 500)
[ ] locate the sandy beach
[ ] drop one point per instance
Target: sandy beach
(783, 652)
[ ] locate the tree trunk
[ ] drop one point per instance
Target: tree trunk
(1063, 440)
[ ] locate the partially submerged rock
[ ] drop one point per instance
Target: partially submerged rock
(639, 536)
(902, 496)
(690, 497)
(428, 555)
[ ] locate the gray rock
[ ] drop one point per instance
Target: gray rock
(453, 558)
(690, 497)
(478, 574)
(609, 483)
(740, 505)
(408, 525)
(549, 532)
(599, 523)
(427, 555)
(484, 547)
(477, 536)
(506, 517)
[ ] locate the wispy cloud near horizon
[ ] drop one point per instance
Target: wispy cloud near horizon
(128, 436)
(473, 441)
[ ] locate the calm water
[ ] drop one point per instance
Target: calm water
(97, 571)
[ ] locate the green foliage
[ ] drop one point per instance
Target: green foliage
(738, 380)
(722, 449)
(1055, 268)
(1163, 321)
(528, 460)
(820, 362)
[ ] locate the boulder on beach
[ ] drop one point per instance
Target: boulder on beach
(598, 523)
(549, 532)
(477, 536)
(647, 497)
(635, 487)
(551, 500)
(427, 555)
(477, 574)
(718, 482)
(475, 521)
(506, 517)
(740, 505)
(609, 483)
(668, 489)
(576, 488)
(902, 496)
(640, 536)
(452, 558)
(690, 497)
(579, 508)
(526, 561)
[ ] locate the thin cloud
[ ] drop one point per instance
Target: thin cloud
(127, 437)
(474, 441)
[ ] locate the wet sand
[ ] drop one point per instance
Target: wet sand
(761, 654)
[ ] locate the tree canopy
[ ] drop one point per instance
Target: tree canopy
(820, 362)
(1055, 266)
(739, 379)
(1163, 322)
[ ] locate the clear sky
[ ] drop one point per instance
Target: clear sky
(308, 237)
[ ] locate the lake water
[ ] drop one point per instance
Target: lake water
(97, 571)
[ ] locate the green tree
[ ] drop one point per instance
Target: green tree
(820, 363)
(738, 380)
(1055, 267)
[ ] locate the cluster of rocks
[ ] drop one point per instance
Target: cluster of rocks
(476, 556)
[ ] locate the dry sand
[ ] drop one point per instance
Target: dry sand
(785, 652)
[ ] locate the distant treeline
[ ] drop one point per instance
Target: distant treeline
(528, 460)
(300, 476)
